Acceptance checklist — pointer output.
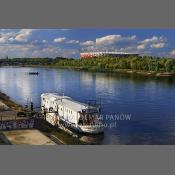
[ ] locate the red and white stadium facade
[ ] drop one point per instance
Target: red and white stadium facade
(88, 55)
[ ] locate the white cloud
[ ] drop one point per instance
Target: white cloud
(16, 50)
(44, 41)
(172, 52)
(133, 37)
(11, 39)
(158, 45)
(35, 41)
(23, 35)
(150, 40)
(107, 40)
(109, 43)
(63, 39)
(87, 43)
(32, 50)
(154, 42)
(3, 40)
(141, 46)
(4, 37)
(112, 39)
(53, 51)
(59, 40)
(126, 44)
(72, 42)
(38, 42)
(23, 43)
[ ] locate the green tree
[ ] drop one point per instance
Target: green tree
(169, 65)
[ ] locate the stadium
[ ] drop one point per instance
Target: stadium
(87, 55)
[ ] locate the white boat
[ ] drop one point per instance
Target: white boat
(84, 118)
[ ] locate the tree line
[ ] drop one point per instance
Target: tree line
(113, 64)
(105, 64)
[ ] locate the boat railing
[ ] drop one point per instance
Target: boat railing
(93, 103)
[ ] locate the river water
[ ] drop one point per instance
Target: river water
(135, 109)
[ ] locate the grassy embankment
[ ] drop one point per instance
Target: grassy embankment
(54, 132)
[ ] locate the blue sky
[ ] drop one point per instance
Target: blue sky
(69, 42)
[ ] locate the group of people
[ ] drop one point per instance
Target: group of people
(88, 119)
(17, 124)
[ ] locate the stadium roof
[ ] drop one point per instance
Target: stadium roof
(103, 52)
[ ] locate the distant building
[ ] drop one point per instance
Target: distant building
(87, 55)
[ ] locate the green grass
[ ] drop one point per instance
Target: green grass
(61, 135)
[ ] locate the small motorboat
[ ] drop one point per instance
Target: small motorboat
(33, 73)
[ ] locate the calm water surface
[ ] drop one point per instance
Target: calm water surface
(149, 101)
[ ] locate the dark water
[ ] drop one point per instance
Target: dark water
(148, 101)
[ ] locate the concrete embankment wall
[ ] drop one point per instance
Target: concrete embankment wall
(17, 124)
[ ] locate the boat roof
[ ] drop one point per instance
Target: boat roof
(54, 96)
(66, 101)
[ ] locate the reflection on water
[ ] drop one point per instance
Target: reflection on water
(150, 101)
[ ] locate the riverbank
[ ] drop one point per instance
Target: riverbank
(130, 72)
(146, 65)
(121, 71)
(4, 99)
(9, 110)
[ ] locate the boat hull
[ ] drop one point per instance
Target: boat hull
(88, 129)
(94, 129)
